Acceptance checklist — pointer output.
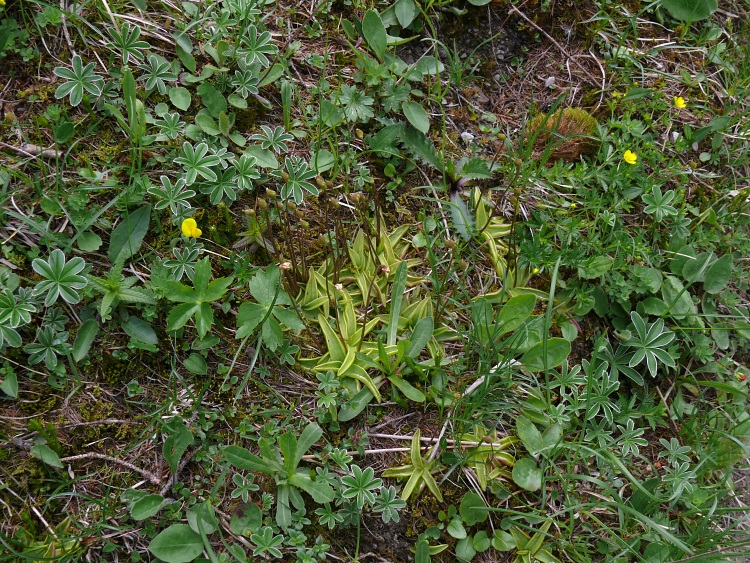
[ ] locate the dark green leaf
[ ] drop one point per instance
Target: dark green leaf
(85, 337)
(243, 459)
(247, 518)
(195, 363)
(595, 267)
(179, 438)
(138, 329)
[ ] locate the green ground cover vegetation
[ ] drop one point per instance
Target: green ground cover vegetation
(364, 280)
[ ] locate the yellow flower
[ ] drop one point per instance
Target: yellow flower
(680, 102)
(535, 271)
(189, 227)
(630, 157)
(2, 2)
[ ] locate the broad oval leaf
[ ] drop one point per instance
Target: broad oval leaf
(690, 10)
(374, 33)
(180, 98)
(146, 507)
(473, 509)
(417, 116)
(177, 544)
(201, 517)
(717, 276)
(44, 453)
(527, 475)
(557, 349)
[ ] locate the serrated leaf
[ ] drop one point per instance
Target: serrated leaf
(476, 169)
(421, 148)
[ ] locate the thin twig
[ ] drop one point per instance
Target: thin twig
(92, 455)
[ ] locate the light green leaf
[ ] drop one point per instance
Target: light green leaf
(417, 116)
(529, 435)
(89, 242)
(557, 349)
(409, 391)
(9, 386)
(406, 11)
(180, 98)
(146, 507)
(515, 312)
(374, 33)
(128, 236)
(44, 453)
(690, 10)
(527, 475)
(177, 544)
(718, 274)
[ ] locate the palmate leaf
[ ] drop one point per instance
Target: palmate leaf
(61, 278)
(196, 301)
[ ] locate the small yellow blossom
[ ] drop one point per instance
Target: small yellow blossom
(190, 228)
(535, 271)
(573, 205)
(2, 2)
(630, 157)
(680, 102)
